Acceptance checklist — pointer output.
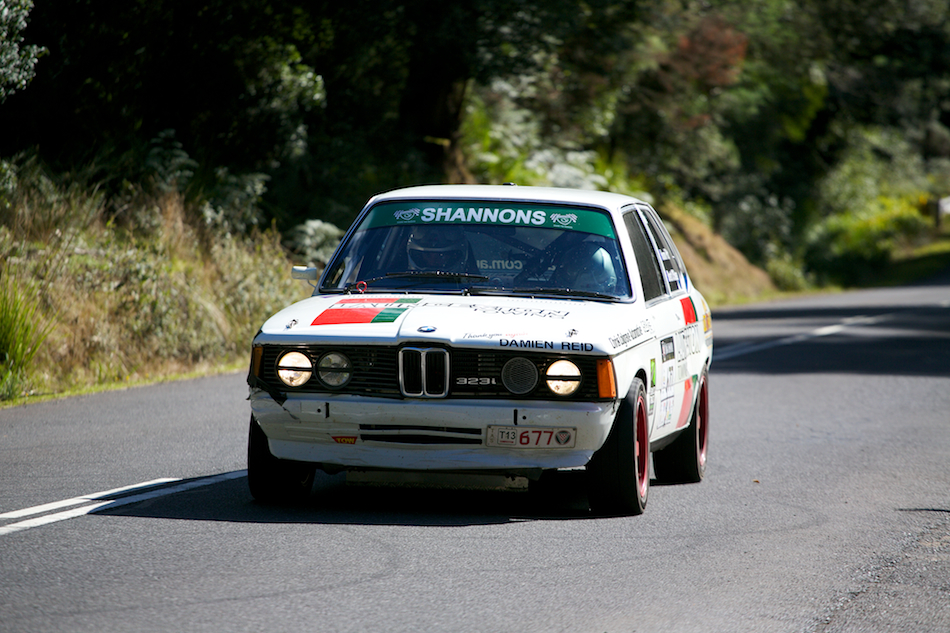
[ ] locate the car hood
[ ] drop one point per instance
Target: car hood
(495, 322)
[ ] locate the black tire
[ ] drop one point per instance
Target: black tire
(618, 474)
(684, 461)
(274, 480)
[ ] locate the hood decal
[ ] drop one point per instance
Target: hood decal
(364, 310)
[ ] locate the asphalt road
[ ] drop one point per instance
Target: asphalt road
(826, 508)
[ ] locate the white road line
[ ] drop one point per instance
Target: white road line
(741, 349)
(46, 507)
(108, 504)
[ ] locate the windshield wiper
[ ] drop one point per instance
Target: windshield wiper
(419, 274)
(561, 292)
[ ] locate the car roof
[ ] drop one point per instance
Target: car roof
(603, 199)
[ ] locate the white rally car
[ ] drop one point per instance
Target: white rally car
(494, 331)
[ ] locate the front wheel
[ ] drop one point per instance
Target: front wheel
(274, 480)
(619, 473)
(684, 461)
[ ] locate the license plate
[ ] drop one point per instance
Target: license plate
(531, 437)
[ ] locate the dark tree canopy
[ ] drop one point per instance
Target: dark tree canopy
(743, 106)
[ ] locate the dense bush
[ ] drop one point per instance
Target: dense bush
(856, 248)
(88, 296)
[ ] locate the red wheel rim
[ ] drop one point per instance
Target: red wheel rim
(642, 449)
(702, 421)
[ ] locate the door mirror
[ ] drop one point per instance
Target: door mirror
(307, 273)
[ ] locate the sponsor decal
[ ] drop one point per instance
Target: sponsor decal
(510, 342)
(499, 264)
(508, 310)
(493, 335)
(406, 215)
(652, 393)
(688, 341)
(689, 310)
(489, 212)
(344, 439)
(484, 215)
(576, 347)
(667, 398)
(364, 310)
(619, 340)
(707, 324)
(564, 219)
(687, 407)
(667, 349)
(571, 333)
(564, 346)
(387, 309)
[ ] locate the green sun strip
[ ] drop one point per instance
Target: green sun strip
(490, 213)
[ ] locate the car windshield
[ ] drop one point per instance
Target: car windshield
(481, 247)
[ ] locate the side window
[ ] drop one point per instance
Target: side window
(649, 267)
(673, 269)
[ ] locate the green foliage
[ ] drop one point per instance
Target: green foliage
(315, 241)
(22, 331)
(233, 204)
(16, 60)
(786, 273)
(872, 206)
(250, 281)
(856, 248)
(768, 116)
(876, 162)
(168, 163)
(38, 206)
(128, 303)
(503, 138)
(759, 226)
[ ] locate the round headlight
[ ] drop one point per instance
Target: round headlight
(294, 369)
(563, 377)
(334, 369)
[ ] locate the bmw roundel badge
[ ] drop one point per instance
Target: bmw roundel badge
(427, 328)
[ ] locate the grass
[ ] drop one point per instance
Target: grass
(22, 333)
(98, 302)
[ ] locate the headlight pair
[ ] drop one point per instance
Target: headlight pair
(520, 376)
(333, 369)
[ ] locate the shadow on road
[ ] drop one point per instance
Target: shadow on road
(334, 502)
(900, 341)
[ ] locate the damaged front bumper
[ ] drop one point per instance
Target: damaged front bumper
(356, 432)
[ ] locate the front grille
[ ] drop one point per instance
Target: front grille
(424, 372)
(434, 372)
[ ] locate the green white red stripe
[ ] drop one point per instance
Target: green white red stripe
(364, 310)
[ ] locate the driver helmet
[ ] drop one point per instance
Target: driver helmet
(595, 269)
(438, 248)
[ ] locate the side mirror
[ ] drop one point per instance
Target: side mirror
(307, 273)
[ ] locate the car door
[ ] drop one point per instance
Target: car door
(670, 314)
